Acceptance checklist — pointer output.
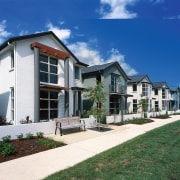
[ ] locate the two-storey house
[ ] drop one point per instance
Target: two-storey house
(114, 80)
(139, 87)
(161, 96)
(39, 78)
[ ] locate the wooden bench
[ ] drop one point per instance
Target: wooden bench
(69, 123)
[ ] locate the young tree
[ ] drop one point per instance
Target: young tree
(98, 97)
(143, 104)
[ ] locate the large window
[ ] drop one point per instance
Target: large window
(48, 69)
(115, 81)
(144, 89)
(48, 104)
(12, 104)
(114, 105)
(135, 106)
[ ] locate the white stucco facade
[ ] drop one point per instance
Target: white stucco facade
(22, 77)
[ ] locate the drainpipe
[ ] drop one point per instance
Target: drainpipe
(36, 86)
(66, 83)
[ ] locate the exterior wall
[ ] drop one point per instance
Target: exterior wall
(160, 99)
(138, 95)
(7, 80)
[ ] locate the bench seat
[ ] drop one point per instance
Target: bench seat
(69, 123)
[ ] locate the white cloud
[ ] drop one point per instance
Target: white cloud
(157, 1)
(3, 33)
(92, 57)
(62, 34)
(115, 55)
(174, 17)
(117, 9)
(88, 55)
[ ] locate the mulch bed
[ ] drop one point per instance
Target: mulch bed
(25, 147)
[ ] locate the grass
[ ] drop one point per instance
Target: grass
(154, 155)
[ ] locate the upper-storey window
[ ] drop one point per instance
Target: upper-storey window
(155, 91)
(163, 93)
(144, 89)
(12, 59)
(134, 86)
(48, 69)
(77, 72)
(115, 82)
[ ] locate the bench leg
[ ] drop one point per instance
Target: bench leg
(60, 131)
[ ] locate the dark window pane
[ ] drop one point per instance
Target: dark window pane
(44, 94)
(53, 69)
(43, 58)
(43, 114)
(53, 79)
(43, 104)
(53, 114)
(43, 67)
(53, 61)
(53, 95)
(53, 104)
(43, 77)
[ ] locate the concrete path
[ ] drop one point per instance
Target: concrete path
(81, 146)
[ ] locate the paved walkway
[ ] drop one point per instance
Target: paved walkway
(81, 146)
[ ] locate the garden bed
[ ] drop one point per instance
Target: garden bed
(25, 146)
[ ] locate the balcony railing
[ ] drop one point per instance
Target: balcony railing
(119, 89)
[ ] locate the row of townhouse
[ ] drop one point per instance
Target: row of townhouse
(42, 79)
(159, 96)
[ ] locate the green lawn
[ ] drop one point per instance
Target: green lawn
(154, 155)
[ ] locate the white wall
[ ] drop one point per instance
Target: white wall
(14, 130)
(7, 77)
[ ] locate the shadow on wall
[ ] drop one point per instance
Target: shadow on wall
(4, 100)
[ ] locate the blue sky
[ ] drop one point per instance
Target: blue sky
(142, 35)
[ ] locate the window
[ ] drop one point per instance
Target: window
(48, 104)
(48, 69)
(77, 73)
(12, 103)
(163, 93)
(156, 106)
(114, 105)
(12, 59)
(115, 81)
(144, 89)
(156, 92)
(135, 105)
(134, 87)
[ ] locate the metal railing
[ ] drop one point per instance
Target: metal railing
(120, 89)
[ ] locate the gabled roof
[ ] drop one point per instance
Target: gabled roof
(102, 68)
(157, 85)
(19, 38)
(137, 79)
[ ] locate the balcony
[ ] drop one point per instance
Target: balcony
(117, 89)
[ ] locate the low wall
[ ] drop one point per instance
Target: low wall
(117, 118)
(33, 128)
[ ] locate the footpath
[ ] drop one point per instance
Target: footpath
(81, 146)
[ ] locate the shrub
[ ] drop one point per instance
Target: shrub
(50, 143)
(6, 139)
(29, 136)
(40, 134)
(7, 149)
(20, 136)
